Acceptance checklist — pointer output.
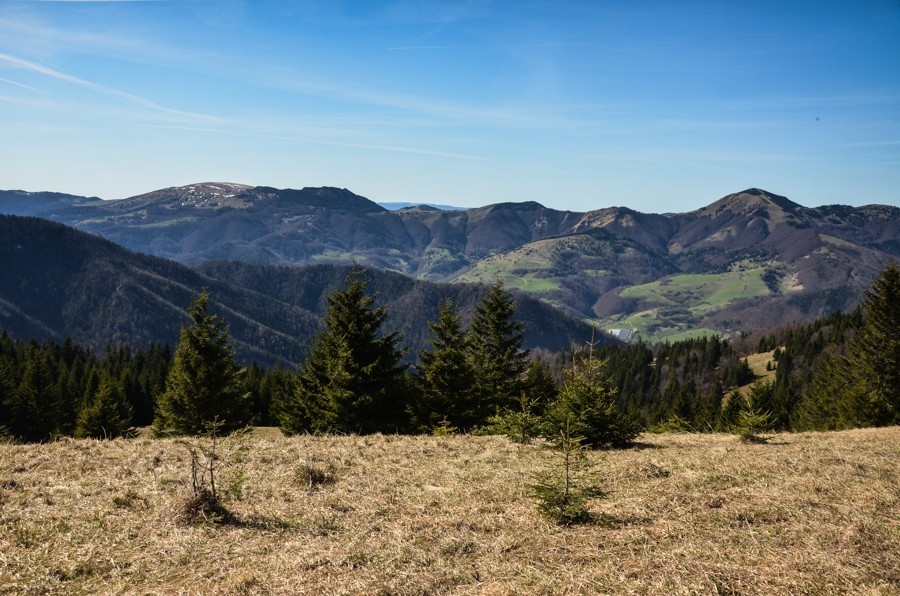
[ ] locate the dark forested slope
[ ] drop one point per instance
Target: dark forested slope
(56, 281)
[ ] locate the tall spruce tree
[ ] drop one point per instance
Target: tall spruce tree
(876, 350)
(862, 387)
(31, 407)
(7, 391)
(353, 380)
(446, 380)
(204, 383)
(496, 353)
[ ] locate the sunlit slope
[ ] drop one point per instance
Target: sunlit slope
(572, 271)
(670, 308)
(615, 282)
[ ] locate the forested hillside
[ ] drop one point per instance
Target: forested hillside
(59, 282)
(475, 376)
(411, 303)
(836, 372)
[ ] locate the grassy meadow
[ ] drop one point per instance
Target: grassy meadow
(671, 306)
(813, 513)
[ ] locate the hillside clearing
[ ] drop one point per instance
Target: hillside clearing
(671, 308)
(807, 513)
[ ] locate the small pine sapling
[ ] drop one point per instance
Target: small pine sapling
(561, 494)
(210, 455)
(444, 428)
(750, 423)
(520, 425)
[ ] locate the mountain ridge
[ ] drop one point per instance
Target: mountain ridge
(769, 249)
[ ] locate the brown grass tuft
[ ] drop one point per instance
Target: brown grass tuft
(685, 513)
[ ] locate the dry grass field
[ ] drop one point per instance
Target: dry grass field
(815, 513)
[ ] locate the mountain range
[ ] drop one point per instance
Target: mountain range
(747, 261)
(60, 282)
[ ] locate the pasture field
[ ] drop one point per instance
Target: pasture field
(701, 292)
(669, 309)
(812, 513)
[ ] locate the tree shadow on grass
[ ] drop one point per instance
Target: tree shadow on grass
(641, 446)
(613, 522)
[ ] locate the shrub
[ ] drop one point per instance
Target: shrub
(521, 425)
(751, 423)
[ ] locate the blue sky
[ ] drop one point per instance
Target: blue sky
(659, 106)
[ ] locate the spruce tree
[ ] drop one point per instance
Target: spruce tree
(876, 351)
(862, 387)
(31, 405)
(587, 406)
(496, 353)
(204, 383)
(106, 413)
(445, 377)
(7, 392)
(353, 380)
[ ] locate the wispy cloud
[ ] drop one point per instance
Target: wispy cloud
(696, 158)
(413, 150)
(439, 110)
(23, 86)
(549, 44)
(133, 99)
(318, 133)
(26, 35)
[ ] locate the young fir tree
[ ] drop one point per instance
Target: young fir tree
(446, 380)
(496, 353)
(755, 416)
(352, 381)
(562, 493)
(106, 413)
(204, 383)
(587, 406)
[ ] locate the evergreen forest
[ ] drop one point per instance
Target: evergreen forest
(838, 372)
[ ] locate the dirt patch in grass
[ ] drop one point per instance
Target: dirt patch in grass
(811, 513)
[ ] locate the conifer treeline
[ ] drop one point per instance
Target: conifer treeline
(49, 390)
(838, 372)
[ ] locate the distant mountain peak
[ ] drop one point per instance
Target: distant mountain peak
(749, 201)
(406, 206)
(414, 208)
(512, 206)
(329, 197)
(201, 195)
(218, 195)
(216, 186)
